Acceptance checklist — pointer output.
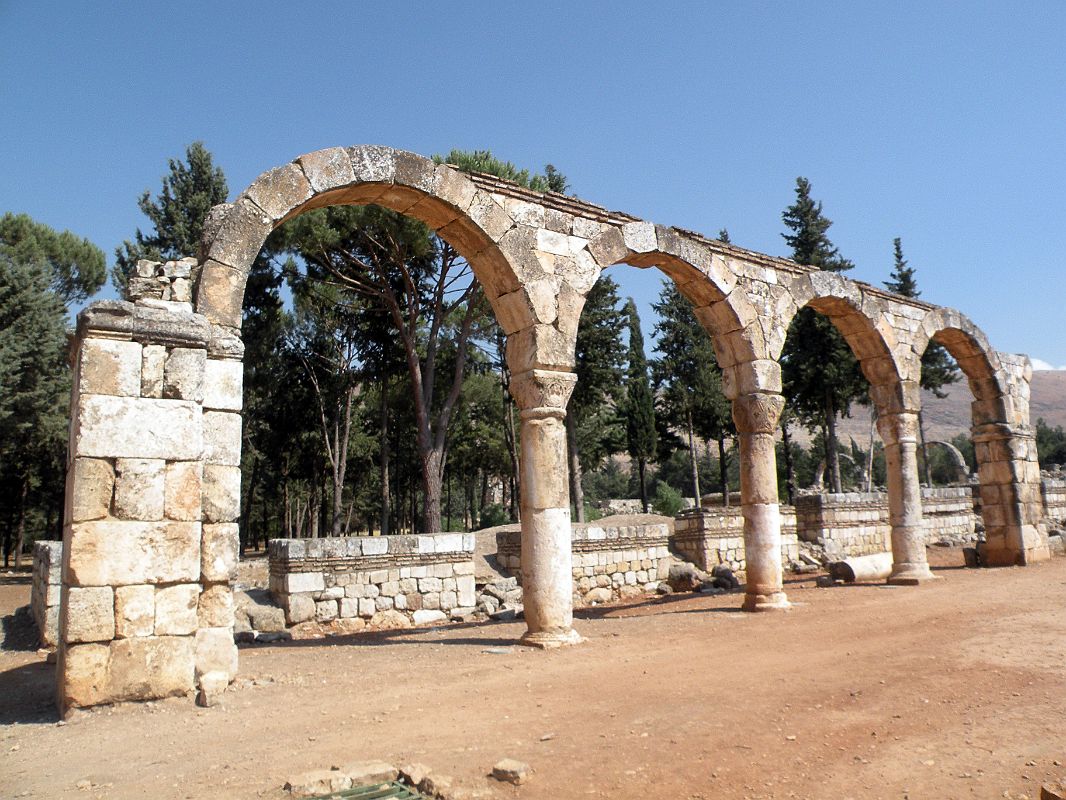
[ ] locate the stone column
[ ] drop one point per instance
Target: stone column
(547, 576)
(756, 417)
(899, 432)
(1010, 496)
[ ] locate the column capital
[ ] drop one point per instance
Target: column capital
(542, 393)
(758, 412)
(896, 427)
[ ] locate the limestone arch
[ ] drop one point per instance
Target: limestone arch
(1004, 445)
(706, 279)
(440, 196)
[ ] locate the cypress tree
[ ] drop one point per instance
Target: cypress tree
(639, 404)
(821, 375)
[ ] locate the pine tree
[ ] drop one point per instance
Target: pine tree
(639, 404)
(76, 266)
(938, 367)
(177, 214)
(688, 381)
(821, 375)
(593, 427)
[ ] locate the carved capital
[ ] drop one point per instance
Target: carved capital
(900, 427)
(757, 413)
(543, 392)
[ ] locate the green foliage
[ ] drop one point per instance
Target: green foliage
(1050, 443)
(668, 500)
(493, 515)
(484, 161)
(605, 483)
(75, 267)
(177, 214)
(639, 402)
(34, 397)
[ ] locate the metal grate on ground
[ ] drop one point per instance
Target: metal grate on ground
(393, 790)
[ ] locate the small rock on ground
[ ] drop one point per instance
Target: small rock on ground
(319, 781)
(510, 770)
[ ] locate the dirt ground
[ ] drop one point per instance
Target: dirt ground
(955, 689)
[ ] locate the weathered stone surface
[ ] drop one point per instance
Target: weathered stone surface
(183, 374)
(222, 438)
(153, 361)
(212, 687)
(131, 427)
(84, 678)
(279, 191)
(221, 544)
(117, 553)
(220, 295)
(513, 771)
(223, 385)
(134, 611)
(363, 773)
(221, 493)
(90, 487)
(318, 782)
(150, 667)
(110, 367)
(215, 608)
(426, 616)
(175, 609)
(182, 489)
(327, 169)
(90, 614)
(139, 485)
(239, 238)
(299, 608)
(215, 651)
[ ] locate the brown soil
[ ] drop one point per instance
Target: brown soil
(953, 689)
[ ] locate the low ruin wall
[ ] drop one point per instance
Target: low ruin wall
(948, 513)
(360, 576)
(44, 596)
(607, 557)
(715, 535)
(1053, 492)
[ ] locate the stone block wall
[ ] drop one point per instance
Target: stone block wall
(153, 490)
(845, 525)
(715, 535)
(1053, 492)
(44, 596)
(607, 557)
(360, 576)
(948, 513)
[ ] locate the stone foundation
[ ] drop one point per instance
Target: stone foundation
(1053, 493)
(360, 576)
(948, 513)
(44, 597)
(715, 535)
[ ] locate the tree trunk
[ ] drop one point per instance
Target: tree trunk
(383, 459)
(246, 517)
(790, 469)
(870, 453)
(695, 463)
(577, 494)
(431, 485)
(641, 464)
(925, 452)
(832, 452)
(20, 531)
(723, 470)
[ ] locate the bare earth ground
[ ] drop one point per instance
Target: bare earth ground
(954, 689)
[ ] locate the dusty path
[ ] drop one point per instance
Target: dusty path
(955, 689)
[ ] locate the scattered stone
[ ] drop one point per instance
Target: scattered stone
(463, 614)
(510, 770)
(506, 614)
(318, 782)
(826, 581)
(1053, 791)
(685, 577)
(268, 637)
(363, 773)
(83, 785)
(600, 594)
(711, 587)
(435, 785)
(413, 774)
(425, 616)
(664, 589)
(724, 578)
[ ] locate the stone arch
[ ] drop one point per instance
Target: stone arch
(708, 281)
(1004, 444)
(962, 469)
(440, 196)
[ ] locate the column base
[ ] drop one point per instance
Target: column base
(911, 575)
(777, 601)
(549, 640)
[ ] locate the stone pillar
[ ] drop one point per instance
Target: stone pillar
(756, 417)
(149, 541)
(899, 432)
(547, 576)
(1010, 496)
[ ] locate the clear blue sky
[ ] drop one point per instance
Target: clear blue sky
(940, 122)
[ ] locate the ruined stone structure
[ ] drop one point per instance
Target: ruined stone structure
(715, 535)
(44, 596)
(154, 454)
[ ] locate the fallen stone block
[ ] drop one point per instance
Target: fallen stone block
(425, 616)
(364, 773)
(318, 782)
(212, 687)
(510, 770)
